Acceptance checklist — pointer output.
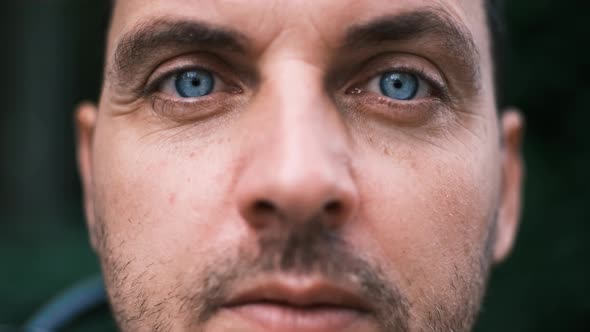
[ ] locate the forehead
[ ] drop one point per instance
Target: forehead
(266, 21)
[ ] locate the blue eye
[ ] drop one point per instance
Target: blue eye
(194, 83)
(399, 85)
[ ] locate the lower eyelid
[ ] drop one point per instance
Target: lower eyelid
(405, 113)
(179, 109)
(194, 109)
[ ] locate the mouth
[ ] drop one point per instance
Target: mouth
(300, 304)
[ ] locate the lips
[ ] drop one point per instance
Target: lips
(300, 304)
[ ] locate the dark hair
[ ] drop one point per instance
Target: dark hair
(494, 18)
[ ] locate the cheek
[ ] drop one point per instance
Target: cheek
(164, 205)
(427, 212)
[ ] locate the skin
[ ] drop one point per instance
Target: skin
(297, 169)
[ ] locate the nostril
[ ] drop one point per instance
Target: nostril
(264, 207)
(261, 213)
(333, 207)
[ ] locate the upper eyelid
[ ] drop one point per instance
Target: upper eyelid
(227, 74)
(440, 87)
(153, 85)
(218, 67)
(381, 63)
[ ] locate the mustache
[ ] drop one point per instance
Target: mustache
(300, 249)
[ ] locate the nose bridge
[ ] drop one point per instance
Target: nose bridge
(301, 165)
(311, 141)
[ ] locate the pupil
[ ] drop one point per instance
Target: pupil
(196, 83)
(398, 84)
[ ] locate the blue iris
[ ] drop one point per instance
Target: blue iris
(398, 85)
(194, 83)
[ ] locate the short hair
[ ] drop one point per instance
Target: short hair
(494, 10)
(497, 32)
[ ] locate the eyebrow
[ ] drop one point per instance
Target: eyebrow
(137, 46)
(434, 23)
(431, 24)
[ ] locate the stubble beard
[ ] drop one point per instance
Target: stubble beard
(304, 249)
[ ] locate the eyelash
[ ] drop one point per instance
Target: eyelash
(439, 88)
(181, 109)
(153, 86)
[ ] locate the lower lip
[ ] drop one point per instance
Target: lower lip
(284, 318)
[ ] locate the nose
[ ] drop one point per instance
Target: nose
(298, 169)
(304, 191)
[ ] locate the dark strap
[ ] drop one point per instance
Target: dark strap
(65, 308)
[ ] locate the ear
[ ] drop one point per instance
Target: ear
(85, 119)
(512, 126)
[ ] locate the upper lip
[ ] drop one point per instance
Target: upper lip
(301, 292)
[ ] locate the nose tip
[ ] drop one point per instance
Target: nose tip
(271, 201)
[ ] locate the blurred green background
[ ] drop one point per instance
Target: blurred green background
(51, 59)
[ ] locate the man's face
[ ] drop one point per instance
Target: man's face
(298, 165)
